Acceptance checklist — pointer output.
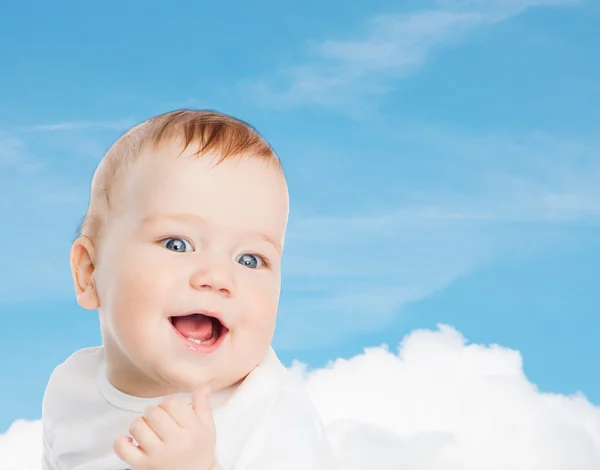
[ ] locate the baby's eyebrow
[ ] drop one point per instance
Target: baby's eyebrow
(200, 220)
(270, 240)
(265, 238)
(175, 217)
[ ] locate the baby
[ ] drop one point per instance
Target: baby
(180, 253)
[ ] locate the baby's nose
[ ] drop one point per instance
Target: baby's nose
(215, 277)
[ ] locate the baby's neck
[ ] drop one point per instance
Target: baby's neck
(140, 401)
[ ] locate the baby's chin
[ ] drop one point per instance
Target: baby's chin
(185, 378)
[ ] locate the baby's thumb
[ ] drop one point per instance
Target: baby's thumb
(201, 403)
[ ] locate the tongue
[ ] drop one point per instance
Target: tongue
(195, 326)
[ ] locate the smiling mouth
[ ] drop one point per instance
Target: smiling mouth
(202, 333)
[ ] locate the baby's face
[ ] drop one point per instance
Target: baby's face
(188, 273)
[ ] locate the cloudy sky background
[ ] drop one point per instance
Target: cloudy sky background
(444, 167)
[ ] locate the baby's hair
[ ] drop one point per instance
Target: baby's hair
(210, 132)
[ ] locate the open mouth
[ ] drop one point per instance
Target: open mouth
(201, 332)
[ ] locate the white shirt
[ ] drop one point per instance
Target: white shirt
(266, 423)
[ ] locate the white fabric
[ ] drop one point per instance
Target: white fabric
(266, 423)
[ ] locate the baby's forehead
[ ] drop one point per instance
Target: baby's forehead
(168, 181)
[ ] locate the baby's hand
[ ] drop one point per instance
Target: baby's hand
(172, 436)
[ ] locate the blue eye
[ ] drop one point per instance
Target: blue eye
(250, 261)
(178, 244)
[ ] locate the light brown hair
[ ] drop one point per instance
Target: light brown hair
(210, 131)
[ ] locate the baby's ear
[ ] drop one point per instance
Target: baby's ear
(82, 269)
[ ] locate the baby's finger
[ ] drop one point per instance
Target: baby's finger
(180, 411)
(127, 451)
(144, 435)
(161, 422)
(201, 405)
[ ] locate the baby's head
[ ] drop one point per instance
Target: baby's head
(180, 252)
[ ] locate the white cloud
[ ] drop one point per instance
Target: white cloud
(437, 404)
(21, 446)
(344, 72)
(442, 404)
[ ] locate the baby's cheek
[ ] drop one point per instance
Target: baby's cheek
(135, 312)
(263, 288)
(136, 298)
(264, 307)
(134, 287)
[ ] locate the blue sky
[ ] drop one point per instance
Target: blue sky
(443, 161)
